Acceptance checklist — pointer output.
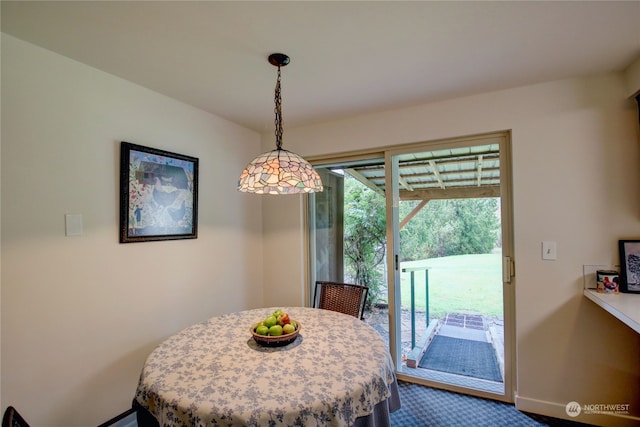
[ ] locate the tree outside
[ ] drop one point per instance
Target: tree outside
(364, 237)
(450, 227)
(442, 228)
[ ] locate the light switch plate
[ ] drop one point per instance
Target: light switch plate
(73, 224)
(549, 250)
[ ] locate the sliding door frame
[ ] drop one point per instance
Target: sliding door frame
(393, 273)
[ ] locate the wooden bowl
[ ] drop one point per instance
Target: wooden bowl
(276, 341)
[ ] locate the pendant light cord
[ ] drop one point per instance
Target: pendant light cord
(278, 111)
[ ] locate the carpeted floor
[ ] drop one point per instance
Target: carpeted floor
(425, 406)
(429, 407)
(463, 357)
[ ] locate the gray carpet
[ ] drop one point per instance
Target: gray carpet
(421, 407)
(463, 357)
(425, 406)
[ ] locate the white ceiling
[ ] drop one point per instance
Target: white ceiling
(347, 57)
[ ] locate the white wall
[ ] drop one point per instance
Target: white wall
(80, 314)
(576, 172)
(283, 227)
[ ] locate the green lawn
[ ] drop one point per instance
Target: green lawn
(456, 283)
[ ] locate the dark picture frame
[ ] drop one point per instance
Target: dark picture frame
(158, 194)
(629, 266)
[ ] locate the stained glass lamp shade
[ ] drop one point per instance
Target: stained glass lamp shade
(279, 171)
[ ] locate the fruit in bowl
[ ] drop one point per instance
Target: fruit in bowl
(276, 329)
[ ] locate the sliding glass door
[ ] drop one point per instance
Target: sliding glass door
(427, 228)
(452, 269)
(347, 233)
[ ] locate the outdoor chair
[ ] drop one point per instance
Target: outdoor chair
(345, 298)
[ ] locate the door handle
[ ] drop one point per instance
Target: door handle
(508, 269)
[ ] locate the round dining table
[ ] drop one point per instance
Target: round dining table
(337, 372)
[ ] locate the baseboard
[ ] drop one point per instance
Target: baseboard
(558, 410)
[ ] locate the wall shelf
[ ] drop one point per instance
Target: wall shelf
(624, 307)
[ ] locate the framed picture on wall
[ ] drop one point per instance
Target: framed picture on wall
(158, 194)
(629, 266)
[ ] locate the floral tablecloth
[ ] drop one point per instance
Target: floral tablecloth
(214, 374)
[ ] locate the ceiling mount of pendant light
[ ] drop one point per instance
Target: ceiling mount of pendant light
(279, 171)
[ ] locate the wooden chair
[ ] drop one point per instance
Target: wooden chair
(124, 419)
(12, 418)
(345, 298)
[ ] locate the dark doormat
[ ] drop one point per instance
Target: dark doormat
(463, 357)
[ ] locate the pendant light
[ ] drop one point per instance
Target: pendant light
(279, 171)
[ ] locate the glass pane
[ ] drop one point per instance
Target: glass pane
(447, 221)
(348, 234)
(451, 316)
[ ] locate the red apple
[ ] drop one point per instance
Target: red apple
(283, 319)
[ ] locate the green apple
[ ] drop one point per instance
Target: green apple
(275, 330)
(262, 330)
(270, 321)
(288, 328)
(277, 313)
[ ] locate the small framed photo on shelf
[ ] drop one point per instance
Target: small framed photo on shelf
(629, 266)
(158, 195)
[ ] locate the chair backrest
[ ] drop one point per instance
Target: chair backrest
(12, 418)
(345, 298)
